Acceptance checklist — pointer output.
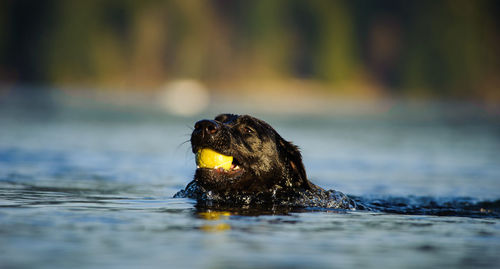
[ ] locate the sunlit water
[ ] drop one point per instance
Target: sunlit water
(92, 188)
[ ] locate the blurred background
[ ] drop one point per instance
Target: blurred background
(282, 54)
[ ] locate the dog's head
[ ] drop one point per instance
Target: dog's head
(263, 162)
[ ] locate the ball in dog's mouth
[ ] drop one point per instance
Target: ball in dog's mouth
(210, 159)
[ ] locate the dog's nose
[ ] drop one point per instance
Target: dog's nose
(209, 127)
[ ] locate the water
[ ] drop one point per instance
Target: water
(92, 188)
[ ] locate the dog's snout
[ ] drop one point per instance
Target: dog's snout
(209, 127)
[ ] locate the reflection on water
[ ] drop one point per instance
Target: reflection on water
(76, 192)
(215, 217)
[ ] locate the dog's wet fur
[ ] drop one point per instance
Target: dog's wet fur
(267, 170)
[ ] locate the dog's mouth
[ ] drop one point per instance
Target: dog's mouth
(210, 159)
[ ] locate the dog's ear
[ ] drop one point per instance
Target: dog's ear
(293, 161)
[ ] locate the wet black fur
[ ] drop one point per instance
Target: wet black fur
(272, 169)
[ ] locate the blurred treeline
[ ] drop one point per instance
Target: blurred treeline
(443, 48)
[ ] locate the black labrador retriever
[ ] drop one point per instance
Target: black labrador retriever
(266, 169)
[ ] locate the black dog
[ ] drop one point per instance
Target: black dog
(267, 170)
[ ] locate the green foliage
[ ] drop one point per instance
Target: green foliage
(441, 48)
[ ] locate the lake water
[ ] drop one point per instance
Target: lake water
(91, 187)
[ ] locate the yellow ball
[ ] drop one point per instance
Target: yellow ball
(207, 158)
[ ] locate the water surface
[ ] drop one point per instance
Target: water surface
(92, 188)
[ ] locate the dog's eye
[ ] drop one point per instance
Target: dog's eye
(248, 130)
